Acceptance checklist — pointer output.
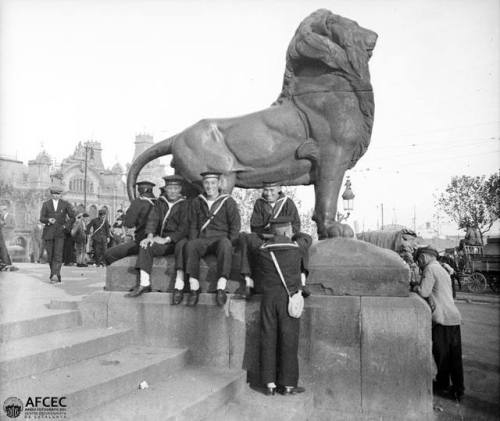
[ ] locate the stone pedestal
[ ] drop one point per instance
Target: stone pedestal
(344, 266)
(365, 342)
(363, 357)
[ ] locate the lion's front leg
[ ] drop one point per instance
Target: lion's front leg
(327, 189)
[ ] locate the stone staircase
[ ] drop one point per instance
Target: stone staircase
(99, 370)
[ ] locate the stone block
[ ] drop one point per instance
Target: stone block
(344, 266)
(396, 356)
(202, 329)
(244, 331)
(330, 351)
(94, 310)
(122, 275)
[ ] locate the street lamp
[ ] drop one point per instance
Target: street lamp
(347, 201)
(88, 149)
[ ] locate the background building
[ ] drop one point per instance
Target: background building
(24, 187)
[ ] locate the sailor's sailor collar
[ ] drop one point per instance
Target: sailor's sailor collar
(221, 196)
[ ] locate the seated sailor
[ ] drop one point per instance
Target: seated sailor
(214, 224)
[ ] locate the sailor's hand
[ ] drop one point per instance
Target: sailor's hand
(146, 242)
(52, 220)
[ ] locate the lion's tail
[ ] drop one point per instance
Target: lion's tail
(157, 150)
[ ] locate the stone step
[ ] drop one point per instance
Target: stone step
(64, 304)
(36, 326)
(253, 405)
(100, 379)
(36, 354)
(189, 395)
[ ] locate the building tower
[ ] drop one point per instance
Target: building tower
(154, 170)
(39, 171)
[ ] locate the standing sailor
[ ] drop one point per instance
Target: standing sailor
(166, 233)
(280, 260)
(57, 215)
(214, 225)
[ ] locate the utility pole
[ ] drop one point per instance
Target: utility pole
(87, 149)
(415, 219)
(382, 216)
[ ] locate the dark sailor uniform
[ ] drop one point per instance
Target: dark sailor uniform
(209, 233)
(166, 220)
(100, 230)
(53, 234)
(263, 212)
(135, 217)
(279, 336)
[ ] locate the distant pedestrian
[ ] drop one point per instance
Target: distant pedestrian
(99, 231)
(79, 234)
(7, 225)
(118, 232)
(446, 319)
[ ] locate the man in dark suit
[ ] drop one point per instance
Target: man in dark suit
(135, 217)
(57, 215)
(279, 331)
(166, 230)
(214, 224)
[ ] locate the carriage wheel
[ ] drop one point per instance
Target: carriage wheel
(477, 282)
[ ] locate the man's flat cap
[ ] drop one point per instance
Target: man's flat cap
(427, 250)
(55, 188)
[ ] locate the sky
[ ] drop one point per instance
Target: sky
(107, 70)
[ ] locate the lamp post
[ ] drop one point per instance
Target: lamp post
(88, 149)
(347, 202)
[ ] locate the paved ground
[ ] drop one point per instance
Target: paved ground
(25, 293)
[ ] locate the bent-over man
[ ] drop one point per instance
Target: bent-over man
(166, 233)
(57, 215)
(135, 217)
(446, 319)
(214, 224)
(279, 331)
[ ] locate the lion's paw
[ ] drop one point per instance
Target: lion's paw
(337, 229)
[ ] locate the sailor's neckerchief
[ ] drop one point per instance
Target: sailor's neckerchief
(220, 196)
(148, 199)
(278, 204)
(211, 215)
(170, 207)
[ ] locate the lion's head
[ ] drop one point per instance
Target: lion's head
(329, 43)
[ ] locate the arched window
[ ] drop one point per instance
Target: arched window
(77, 184)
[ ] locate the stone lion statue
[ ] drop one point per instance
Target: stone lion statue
(318, 128)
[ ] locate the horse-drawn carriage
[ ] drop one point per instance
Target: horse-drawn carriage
(478, 266)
